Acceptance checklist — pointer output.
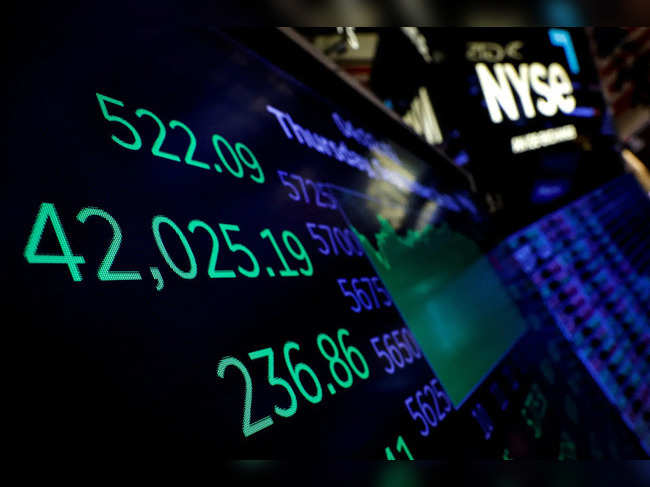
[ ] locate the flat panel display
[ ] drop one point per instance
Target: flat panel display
(207, 254)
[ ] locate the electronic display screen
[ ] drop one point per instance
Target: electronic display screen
(208, 254)
(520, 108)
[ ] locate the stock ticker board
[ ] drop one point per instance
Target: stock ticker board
(206, 254)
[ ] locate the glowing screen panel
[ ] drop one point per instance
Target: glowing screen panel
(206, 253)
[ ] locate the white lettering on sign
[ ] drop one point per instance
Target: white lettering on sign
(543, 138)
(552, 87)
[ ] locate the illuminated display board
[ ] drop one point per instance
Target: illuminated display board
(208, 254)
(521, 109)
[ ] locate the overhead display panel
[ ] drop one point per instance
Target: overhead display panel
(521, 109)
(208, 254)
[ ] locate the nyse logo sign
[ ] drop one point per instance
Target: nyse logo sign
(539, 89)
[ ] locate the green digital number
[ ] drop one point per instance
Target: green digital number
(295, 371)
(401, 447)
(104, 273)
(254, 165)
(255, 271)
(162, 133)
(191, 148)
(215, 142)
(155, 225)
(137, 141)
(46, 212)
(277, 381)
(248, 428)
(301, 254)
(335, 359)
(363, 372)
(212, 271)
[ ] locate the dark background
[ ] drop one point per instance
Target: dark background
(116, 366)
